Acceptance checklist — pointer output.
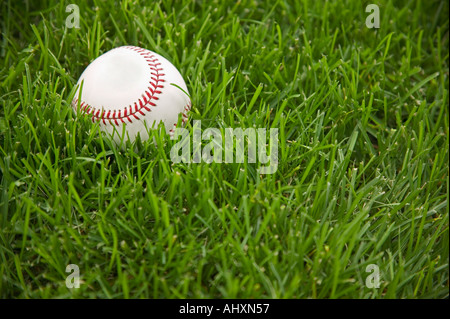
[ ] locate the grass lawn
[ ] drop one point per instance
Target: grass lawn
(363, 171)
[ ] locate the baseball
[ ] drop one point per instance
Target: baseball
(130, 90)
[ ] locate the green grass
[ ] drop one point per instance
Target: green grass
(363, 153)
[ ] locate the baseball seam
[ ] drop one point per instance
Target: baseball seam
(184, 118)
(139, 107)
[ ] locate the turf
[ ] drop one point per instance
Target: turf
(363, 166)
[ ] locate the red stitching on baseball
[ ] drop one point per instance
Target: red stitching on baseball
(184, 118)
(140, 106)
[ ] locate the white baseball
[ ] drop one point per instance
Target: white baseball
(130, 90)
